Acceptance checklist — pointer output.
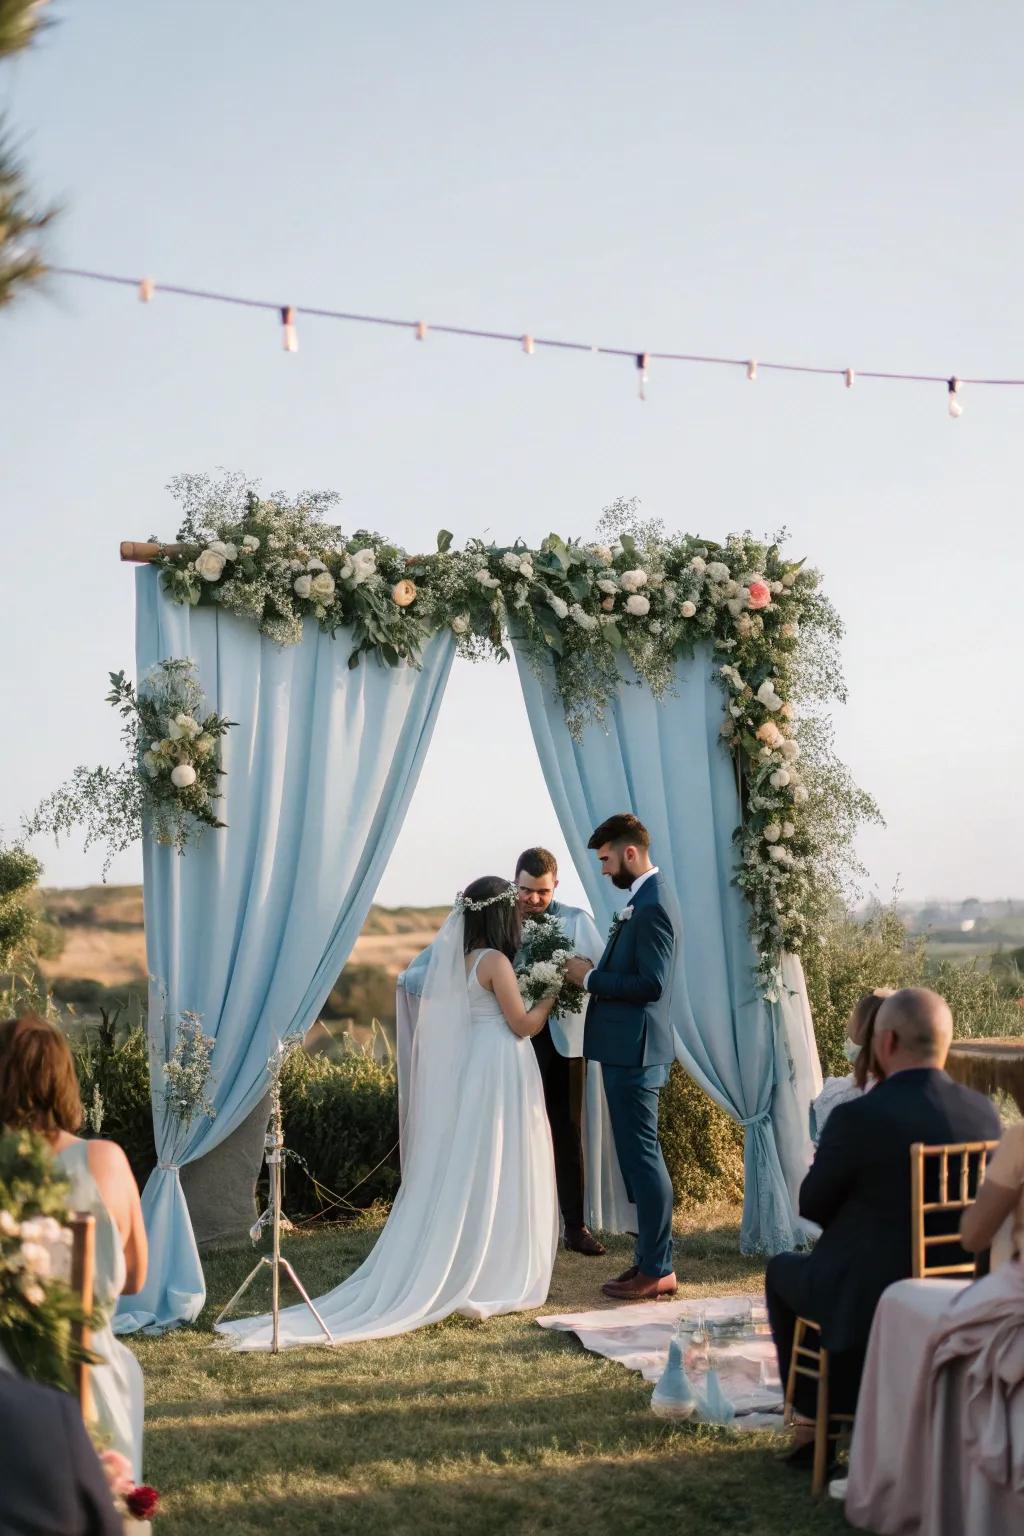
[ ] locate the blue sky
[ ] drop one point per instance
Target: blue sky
(808, 181)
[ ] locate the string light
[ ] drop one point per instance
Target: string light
(145, 289)
(642, 363)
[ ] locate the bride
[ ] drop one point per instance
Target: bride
(474, 1227)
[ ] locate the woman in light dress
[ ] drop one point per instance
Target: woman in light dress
(474, 1227)
(39, 1092)
(996, 1219)
(860, 1033)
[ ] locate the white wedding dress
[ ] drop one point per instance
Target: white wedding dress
(474, 1227)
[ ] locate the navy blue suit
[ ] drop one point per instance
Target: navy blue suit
(629, 1031)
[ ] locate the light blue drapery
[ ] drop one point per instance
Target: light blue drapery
(251, 927)
(664, 761)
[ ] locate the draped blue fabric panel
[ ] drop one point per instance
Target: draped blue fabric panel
(664, 761)
(252, 925)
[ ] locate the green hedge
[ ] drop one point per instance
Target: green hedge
(341, 1119)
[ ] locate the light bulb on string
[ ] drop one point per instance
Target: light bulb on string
(642, 364)
(953, 386)
(147, 288)
(752, 369)
(526, 342)
(421, 330)
(849, 377)
(289, 335)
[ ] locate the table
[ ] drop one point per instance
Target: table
(989, 1065)
(900, 1484)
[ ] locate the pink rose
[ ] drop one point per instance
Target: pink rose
(760, 594)
(119, 1473)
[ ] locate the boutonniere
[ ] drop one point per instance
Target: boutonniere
(620, 917)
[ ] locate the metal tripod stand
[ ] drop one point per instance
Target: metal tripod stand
(275, 1218)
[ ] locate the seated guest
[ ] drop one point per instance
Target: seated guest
(39, 1092)
(996, 1219)
(866, 1072)
(51, 1481)
(858, 1191)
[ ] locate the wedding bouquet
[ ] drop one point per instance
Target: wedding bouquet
(540, 968)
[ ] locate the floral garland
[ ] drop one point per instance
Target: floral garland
(170, 777)
(635, 595)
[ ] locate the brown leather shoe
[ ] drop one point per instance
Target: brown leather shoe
(642, 1288)
(627, 1274)
(582, 1240)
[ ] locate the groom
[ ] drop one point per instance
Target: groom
(629, 1031)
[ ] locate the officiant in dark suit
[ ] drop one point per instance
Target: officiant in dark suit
(629, 1031)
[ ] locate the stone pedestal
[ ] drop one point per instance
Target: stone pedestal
(221, 1187)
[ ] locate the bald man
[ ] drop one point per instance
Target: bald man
(858, 1192)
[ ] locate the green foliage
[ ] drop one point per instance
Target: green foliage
(362, 992)
(37, 1307)
(341, 1119)
(113, 1075)
(22, 932)
(21, 222)
(859, 954)
(703, 1146)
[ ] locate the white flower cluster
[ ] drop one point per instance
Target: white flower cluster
(43, 1254)
(187, 1072)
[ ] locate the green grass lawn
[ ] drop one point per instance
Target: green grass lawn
(496, 1427)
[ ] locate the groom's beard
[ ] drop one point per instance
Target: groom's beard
(623, 880)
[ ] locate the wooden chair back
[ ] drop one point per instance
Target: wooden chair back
(959, 1168)
(83, 1263)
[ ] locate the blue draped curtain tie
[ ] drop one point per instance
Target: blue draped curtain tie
(765, 1114)
(170, 1167)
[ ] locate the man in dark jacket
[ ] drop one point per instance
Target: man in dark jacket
(51, 1481)
(858, 1190)
(629, 1031)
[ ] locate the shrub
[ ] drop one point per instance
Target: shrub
(113, 1075)
(341, 1118)
(703, 1146)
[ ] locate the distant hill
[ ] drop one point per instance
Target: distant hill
(104, 945)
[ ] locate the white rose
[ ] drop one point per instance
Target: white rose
(767, 696)
(800, 795)
(183, 776)
(779, 854)
(772, 832)
(210, 565)
(346, 569)
(776, 587)
(8, 1225)
(35, 1259)
(364, 560)
(322, 586)
(251, 543)
(460, 624)
(315, 565)
(526, 569)
(187, 725)
(698, 563)
(638, 605)
(219, 547)
(485, 578)
(790, 750)
(151, 763)
(174, 730)
(609, 587)
(302, 586)
(231, 551)
(601, 553)
(511, 560)
(560, 608)
(780, 778)
(33, 1292)
(788, 829)
(790, 631)
(205, 745)
(632, 581)
(716, 570)
(688, 609)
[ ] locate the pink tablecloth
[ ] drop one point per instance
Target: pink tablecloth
(910, 1476)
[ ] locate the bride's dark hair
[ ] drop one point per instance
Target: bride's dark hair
(499, 925)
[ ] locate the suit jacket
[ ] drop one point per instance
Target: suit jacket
(629, 1016)
(51, 1481)
(858, 1191)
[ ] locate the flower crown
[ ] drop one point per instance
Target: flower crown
(463, 903)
